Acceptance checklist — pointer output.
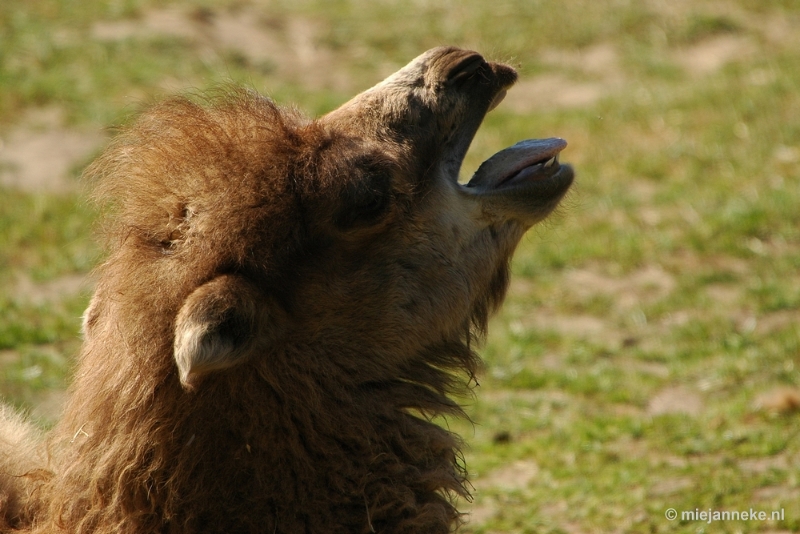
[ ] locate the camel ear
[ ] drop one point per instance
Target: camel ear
(219, 326)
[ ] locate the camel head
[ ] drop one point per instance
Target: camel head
(398, 256)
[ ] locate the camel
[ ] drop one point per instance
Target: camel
(285, 306)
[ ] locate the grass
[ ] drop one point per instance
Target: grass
(649, 348)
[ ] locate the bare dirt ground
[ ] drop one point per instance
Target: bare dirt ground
(599, 63)
(40, 152)
(289, 45)
(710, 55)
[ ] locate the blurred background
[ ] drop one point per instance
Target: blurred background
(647, 356)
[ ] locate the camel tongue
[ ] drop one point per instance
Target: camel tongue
(509, 162)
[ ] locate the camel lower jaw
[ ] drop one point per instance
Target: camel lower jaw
(524, 182)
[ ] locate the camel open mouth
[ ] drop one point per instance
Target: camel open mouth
(528, 173)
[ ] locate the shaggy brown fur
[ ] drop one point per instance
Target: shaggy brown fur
(284, 305)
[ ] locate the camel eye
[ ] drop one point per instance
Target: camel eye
(364, 202)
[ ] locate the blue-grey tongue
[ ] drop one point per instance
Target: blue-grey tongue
(513, 159)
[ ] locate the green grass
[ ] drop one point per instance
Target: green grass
(653, 321)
